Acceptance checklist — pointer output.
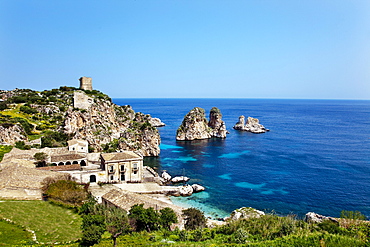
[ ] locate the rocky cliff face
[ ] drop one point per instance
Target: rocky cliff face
(195, 125)
(117, 127)
(60, 115)
(12, 133)
(252, 125)
(217, 124)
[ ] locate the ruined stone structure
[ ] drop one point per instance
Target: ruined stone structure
(81, 100)
(86, 83)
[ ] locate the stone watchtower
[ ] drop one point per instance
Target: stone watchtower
(86, 83)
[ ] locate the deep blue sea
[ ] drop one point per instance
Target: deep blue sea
(316, 158)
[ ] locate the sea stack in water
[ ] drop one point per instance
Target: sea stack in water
(196, 127)
(218, 126)
(252, 125)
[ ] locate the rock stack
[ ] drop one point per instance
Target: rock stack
(196, 127)
(252, 125)
(217, 124)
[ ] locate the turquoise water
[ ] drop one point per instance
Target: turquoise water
(315, 158)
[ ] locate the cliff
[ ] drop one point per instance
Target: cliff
(195, 125)
(217, 124)
(59, 115)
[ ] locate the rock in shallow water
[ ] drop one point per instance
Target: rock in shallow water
(197, 188)
(186, 190)
(180, 179)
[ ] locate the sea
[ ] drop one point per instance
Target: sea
(316, 157)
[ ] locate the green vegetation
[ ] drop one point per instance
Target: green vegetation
(4, 149)
(194, 219)
(98, 94)
(11, 234)
(65, 192)
(354, 215)
(106, 226)
(54, 139)
(215, 110)
(22, 145)
(51, 223)
(98, 218)
(41, 159)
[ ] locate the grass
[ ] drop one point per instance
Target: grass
(51, 223)
(15, 112)
(11, 234)
(4, 149)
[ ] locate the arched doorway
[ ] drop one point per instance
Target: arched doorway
(75, 162)
(92, 179)
(60, 164)
(83, 163)
(68, 163)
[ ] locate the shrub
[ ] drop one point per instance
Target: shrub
(93, 227)
(194, 218)
(22, 145)
(167, 217)
(354, 215)
(66, 191)
(27, 109)
(3, 105)
(41, 159)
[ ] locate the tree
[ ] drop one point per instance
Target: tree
(145, 219)
(194, 218)
(167, 217)
(41, 159)
(116, 221)
(93, 227)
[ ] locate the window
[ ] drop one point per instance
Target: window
(134, 166)
(135, 172)
(122, 167)
(111, 177)
(110, 169)
(122, 177)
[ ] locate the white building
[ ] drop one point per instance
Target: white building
(124, 166)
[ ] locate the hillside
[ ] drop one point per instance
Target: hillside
(59, 115)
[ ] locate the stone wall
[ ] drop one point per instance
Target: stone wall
(86, 83)
(81, 100)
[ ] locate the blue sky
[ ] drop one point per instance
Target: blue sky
(314, 49)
